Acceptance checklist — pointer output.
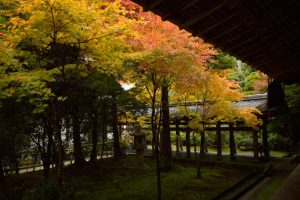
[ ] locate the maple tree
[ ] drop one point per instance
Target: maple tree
(168, 51)
(214, 96)
(56, 42)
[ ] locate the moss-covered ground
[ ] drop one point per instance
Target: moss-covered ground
(120, 180)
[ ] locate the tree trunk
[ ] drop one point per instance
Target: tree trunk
(155, 145)
(188, 140)
(202, 143)
(46, 161)
(93, 156)
(1, 172)
(59, 146)
(231, 142)
(153, 124)
(219, 141)
(166, 150)
(158, 185)
(255, 144)
(3, 189)
(117, 148)
(177, 137)
(103, 126)
(78, 154)
(265, 141)
(198, 158)
(17, 166)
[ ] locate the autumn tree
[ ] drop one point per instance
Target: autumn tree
(54, 42)
(168, 52)
(214, 96)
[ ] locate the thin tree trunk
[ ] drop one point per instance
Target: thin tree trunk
(153, 124)
(166, 150)
(49, 131)
(93, 156)
(198, 158)
(103, 129)
(188, 140)
(202, 143)
(195, 145)
(117, 148)
(219, 141)
(17, 165)
(177, 121)
(78, 154)
(156, 138)
(231, 142)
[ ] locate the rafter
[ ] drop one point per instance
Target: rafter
(189, 5)
(264, 34)
(204, 14)
(231, 29)
(181, 7)
(154, 4)
(220, 22)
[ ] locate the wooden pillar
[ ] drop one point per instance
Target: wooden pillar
(219, 141)
(188, 140)
(255, 144)
(232, 142)
(265, 141)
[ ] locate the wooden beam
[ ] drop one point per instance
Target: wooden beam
(176, 9)
(266, 57)
(236, 26)
(189, 4)
(270, 34)
(154, 4)
(245, 129)
(204, 14)
(242, 128)
(216, 24)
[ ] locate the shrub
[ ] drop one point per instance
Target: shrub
(245, 144)
(278, 142)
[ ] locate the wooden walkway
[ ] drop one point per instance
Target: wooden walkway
(290, 188)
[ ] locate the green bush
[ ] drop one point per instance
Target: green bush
(278, 142)
(245, 144)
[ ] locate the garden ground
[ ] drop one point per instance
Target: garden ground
(112, 179)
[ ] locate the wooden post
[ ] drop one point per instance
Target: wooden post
(255, 144)
(219, 141)
(231, 142)
(265, 141)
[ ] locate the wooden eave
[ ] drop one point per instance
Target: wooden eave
(262, 33)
